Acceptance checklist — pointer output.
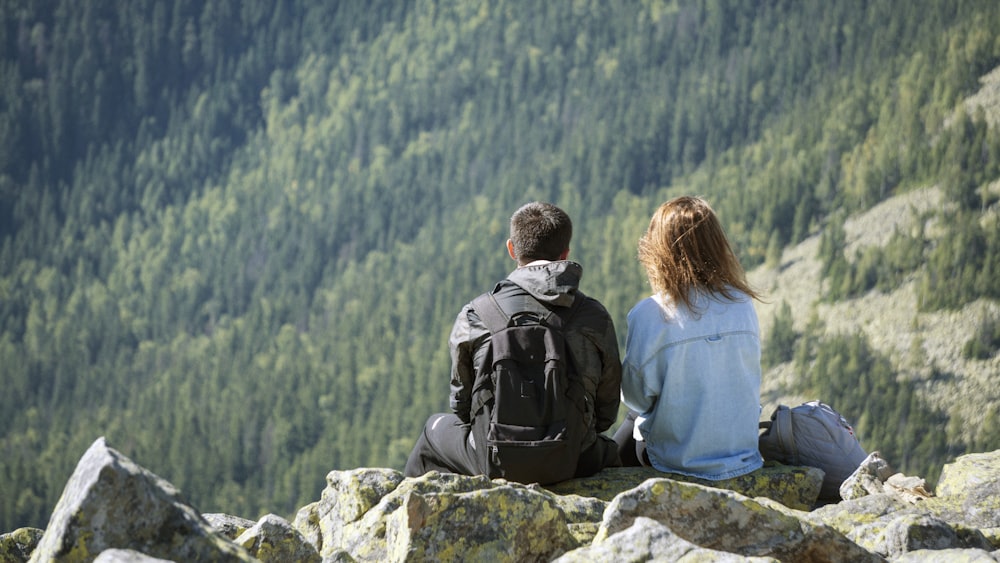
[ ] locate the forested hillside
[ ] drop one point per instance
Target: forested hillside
(234, 234)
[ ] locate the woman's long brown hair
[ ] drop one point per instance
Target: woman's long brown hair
(685, 250)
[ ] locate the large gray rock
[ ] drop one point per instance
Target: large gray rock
(228, 525)
(584, 514)
(648, 540)
(793, 486)
(338, 521)
(914, 532)
(352, 511)
(894, 515)
(110, 502)
(273, 540)
(947, 556)
(16, 547)
(115, 511)
(728, 521)
(127, 556)
(863, 520)
(508, 523)
(353, 522)
(868, 479)
(972, 486)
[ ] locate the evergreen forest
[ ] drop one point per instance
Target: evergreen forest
(234, 235)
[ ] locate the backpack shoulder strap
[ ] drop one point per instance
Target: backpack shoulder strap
(786, 438)
(495, 319)
(490, 313)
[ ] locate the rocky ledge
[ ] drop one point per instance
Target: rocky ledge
(113, 510)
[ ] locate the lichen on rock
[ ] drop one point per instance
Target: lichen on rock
(505, 523)
(727, 521)
(273, 540)
(110, 502)
(794, 486)
(113, 510)
(16, 546)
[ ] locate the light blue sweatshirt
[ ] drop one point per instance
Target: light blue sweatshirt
(693, 377)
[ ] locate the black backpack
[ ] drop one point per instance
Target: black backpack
(528, 400)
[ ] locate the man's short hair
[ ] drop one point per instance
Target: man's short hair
(540, 231)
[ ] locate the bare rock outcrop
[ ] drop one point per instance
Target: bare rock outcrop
(113, 510)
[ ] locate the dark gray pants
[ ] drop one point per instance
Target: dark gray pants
(444, 445)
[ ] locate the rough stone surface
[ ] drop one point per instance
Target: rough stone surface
(648, 540)
(973, 481)
(110, 502)
(862, 520)
(347, 499)
(904, 517)
(868, 479)
(16, 547)
(728, 521)
(127, 556)
(584, 514)
(306, 521)
(351, 515)
(886, 525)
(227, 525)
(948, 556)
(797, 487)
(273, 540)
(505, 524)
(913, 532)
(115, 511)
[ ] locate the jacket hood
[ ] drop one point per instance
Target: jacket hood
(555, 283)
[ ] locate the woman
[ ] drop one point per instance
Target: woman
(691, 373)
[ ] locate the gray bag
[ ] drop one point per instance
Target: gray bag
(815, 435)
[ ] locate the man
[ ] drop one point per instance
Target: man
(544, 280)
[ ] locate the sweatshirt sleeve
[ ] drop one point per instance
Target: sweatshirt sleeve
(635, 394)
(639, 394)
(462, 368)
(608, 394)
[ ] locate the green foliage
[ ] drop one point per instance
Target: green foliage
(874, 267)
(986, 341)
(833, 264)
(889, 414)
(234, 235)
(962, 266)
(780, 344)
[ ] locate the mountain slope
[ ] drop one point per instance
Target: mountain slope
(234, 235)
(924, 347)
(918, 343)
